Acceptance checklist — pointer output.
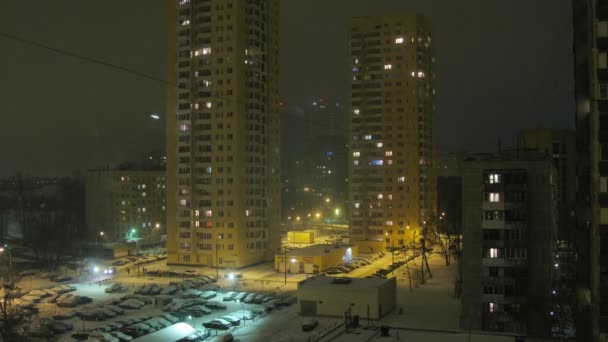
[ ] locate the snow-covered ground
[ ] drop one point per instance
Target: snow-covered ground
(429, 312)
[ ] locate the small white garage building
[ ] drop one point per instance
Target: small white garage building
(369, 298)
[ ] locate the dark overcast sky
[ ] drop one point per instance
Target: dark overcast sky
(501, 66)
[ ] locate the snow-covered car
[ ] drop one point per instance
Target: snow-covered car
(131, 304)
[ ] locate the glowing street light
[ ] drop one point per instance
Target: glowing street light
(318, 215)
(337, 212)
(155, 116)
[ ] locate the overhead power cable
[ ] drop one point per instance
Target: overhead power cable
(84, 58)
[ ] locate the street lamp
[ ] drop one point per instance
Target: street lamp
(217, 257)
(10, 260)
(392, 250)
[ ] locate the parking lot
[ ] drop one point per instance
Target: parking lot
(135, 298)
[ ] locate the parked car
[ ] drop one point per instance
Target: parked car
(309, 324)
(232, 319)
(215, 305)
(209, 294)
(233, 275)
(61, 279)
(229, 296)
(218, 324)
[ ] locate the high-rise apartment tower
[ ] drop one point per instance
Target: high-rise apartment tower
(392, 118)
(590, 18)
(223, 194)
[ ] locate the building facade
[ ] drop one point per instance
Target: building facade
(223, 171)
(126, 206)
(590, 19)
(392, 187)
(509, 229)
(560, 146)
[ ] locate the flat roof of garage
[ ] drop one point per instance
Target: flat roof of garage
(354, 283)
(314, 250)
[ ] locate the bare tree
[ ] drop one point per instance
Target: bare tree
(11, 315)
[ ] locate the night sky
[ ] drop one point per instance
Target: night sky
(500, 66)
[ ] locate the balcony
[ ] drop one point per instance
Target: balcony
(502, 262)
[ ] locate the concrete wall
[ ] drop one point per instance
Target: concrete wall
(336, 299)
(316, 261)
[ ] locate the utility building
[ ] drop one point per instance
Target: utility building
(368, 298)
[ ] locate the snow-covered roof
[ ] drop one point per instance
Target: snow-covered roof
(341, 283)
(314, 250)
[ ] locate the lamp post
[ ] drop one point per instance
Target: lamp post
(392, 250)
(285, 260)
(10, 261)
(217, 257)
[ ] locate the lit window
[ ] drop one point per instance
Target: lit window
(494, 197)
(356, 162)
(356, 154)
(196, 213)
(186, 22)
(143, 194)
(420, 74)
(357, 111)
(379, 144)
(122, 178)
(377, 162)
(492, 307)
(208, 105)
(368, 137)
(494, 178)
(389, 162)
(184, 127)
(493, 253)
(247, 212)
(209, 169)
(208, 213)
(399, 40)
(357, 205)
(196, 106)
(143, 210)
(197, 224)
(389, 153)
(401, 179)
(389, 223)
(380, 196)
(182, 202)
(388, 66)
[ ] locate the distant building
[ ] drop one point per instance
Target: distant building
(31, 207)
(314, 157)
(449, 189)
(509, 230)
(223, 133)
(560, 146)
(126, 204)
(392, 184)
(590, 21)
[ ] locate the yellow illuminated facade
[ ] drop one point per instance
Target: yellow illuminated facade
(223, 193)
(392, 119)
